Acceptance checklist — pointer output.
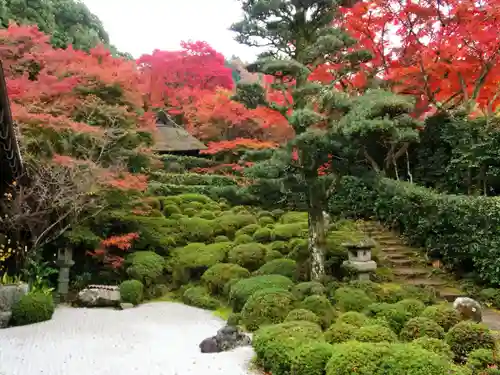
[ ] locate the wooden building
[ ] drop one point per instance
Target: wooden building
(11, 164)
(174, 139)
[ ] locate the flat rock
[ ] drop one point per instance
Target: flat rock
(125, 306)
(99, 296)
(5, 318)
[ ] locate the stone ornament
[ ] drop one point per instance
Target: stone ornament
(227, 338)
(469, 309)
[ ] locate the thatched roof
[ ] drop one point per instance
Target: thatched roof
(172, 137)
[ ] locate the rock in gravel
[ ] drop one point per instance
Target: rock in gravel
(99, 296)
(5, 318)
(469, 309)
(227, 338)
(125, 306)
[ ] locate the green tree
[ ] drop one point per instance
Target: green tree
(250, 94)
(300, 36)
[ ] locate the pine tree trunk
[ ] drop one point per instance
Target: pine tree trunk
(317, 242)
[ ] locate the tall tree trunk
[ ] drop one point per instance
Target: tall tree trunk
(317, 241)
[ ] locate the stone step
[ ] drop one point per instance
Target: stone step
(409, 272)
(397, 248)
(399, 262)
(426, 282)
(395, 255)
(391, 242)
(450, 294)
(409, 253)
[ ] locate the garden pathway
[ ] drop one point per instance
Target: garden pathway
(409, 266)
(159, 338)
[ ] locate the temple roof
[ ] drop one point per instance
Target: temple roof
(172, 137)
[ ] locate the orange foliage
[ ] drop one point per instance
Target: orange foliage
(121, 242)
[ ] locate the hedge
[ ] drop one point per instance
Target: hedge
(193, 179)
(462, 230)
(174, 163)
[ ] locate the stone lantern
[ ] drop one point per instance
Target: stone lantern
(64, 262)
(360, 258)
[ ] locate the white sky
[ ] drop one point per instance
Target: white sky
(140, 26)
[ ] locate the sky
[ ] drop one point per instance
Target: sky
(140, 26)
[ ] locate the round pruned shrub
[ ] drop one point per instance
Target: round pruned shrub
(395, 316)
(294, 217)
(272, 255)
(302, 314)
(375, 308)
(219, 239)
(265, 213)
(250, 255)
(414, 360)
(263, 235)
(299, 249)
(191, 261)
(170, 209)
(481, 359)
(280, 246)
(286, 232)
(375, 333)
(234, 319)
(266, 306)
(241, 290)
(249, 230)
(220, 274)
(242, 239)
(321, 307)
(445, 316)
(227, 224)
(198, 296)
(340, 332)
(353, 318)
(413, 306)
(308, 288)
(265, 220)
(196, 229)
(355, 357)
(420, 327)
(351, 299)
(205, 214)
(33, 308)
(145, 266)
(467, 336)
(132, 291)
(275, 345)
(311, 358)
(285, 267)
(434, 345)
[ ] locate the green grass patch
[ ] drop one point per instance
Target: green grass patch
(223, 312)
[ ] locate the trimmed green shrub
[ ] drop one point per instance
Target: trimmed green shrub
(228, 224)
(280, 246)
(353, 318)
(263, 235)
(413, 306)
(32, 308)
(286, 232)
(191, 261)
(481, 359)
(395, 316)
(190, 212)
(265, 220)
(358, 358)
(266, 306)
(171, 209)
(199, 297)
(132, 291)
(242, 239)
(311, 358)
(276, 344)
(294, 217)
(371, 289)
(375, 333)
(434, 345)
(340, 332)
(196, 229)
(299, 250)
(272, 255)
(420, 327)
(350, 299)
(208, 215)
(193, 197)
(277, 213)
(285, 267)
(219, 239)
(234, 319)
(375, 308)
(308, 288)
(321, 307)
(302, 314)
(219, 274)
(242, 289)
(414, 360)
(145, 266)
(445, 316)
(264, 213)
(250, 255)
(467, 336)
(249, 229)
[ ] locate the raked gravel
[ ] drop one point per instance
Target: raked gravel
(158, 338)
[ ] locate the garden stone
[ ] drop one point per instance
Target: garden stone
(5, 318)
(125, 306)
(468, 308)
(99, 296)
(227, 338)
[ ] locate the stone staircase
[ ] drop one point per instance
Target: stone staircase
(408, 265)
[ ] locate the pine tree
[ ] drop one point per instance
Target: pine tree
(303, 37)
